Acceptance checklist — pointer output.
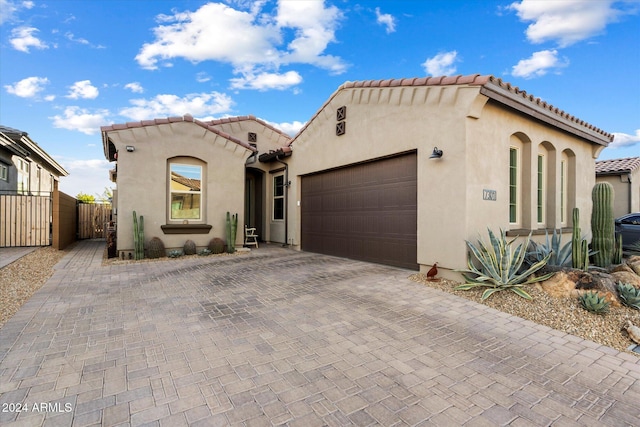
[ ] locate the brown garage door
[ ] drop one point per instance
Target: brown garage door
(366, 211)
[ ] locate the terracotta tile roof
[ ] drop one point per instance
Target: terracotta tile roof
(494, 88)
(617, 166)
(245, 118)
(193, 184)
(186, 118)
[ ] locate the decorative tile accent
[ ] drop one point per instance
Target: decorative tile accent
(341, 128)
(253, 137)
(341, 113)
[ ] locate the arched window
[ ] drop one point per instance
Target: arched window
(186, 192)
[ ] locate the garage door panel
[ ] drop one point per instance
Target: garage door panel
(366, 211)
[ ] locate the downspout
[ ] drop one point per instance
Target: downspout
(286, 200)
(630, 192)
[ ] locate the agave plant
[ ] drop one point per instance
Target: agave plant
(558, 255)
(593, 302)
(629, 295)
(501, 266)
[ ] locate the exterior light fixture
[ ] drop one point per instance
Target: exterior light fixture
(131, 148)
(437, 154)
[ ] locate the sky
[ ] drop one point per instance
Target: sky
(68, 67)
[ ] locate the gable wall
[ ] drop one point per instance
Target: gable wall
(143, 184)
(626, 196)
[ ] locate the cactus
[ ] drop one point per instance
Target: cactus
(629, 295)
(602, 225)
(138, 236)
(232, 227)
(155, 248)
(216, 245)
(617, 250)
(189, 247)
(579, 246)
(593, 302)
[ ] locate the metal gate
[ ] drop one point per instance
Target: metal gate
(25, 220)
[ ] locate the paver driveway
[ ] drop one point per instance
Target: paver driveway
(282, 337)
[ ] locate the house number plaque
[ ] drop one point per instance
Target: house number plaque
(490, 195)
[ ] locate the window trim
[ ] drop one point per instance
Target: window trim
(541, 189)
(514, 187)
(276, 197)
(202, 206)
(4, 172)
(563, 191)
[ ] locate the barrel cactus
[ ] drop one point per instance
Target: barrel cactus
(602, 224)
(216, 245)
(189, 247)
(155, 248)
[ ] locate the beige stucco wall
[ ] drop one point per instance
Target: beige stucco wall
(626, 195)
(475, 135)
(142, 183)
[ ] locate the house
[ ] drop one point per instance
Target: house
(25, 168)
(399, 172)
(183, 175)
(624, 176)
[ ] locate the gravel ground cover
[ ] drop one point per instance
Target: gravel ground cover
(562, 314)
(20, 279)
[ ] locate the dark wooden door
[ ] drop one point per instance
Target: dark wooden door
(366, 211)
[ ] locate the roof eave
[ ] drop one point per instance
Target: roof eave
(523, 105)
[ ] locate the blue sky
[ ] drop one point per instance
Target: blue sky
(69, 67)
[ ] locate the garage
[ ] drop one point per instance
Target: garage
(366, 211)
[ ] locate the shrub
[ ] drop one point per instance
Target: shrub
(500, 266)
(204, 252)
(176, 253)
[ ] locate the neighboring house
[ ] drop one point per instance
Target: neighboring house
(399, 172)
(184, 175)
(25, 168)
(624, 176)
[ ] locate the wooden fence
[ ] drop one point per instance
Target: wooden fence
(93, 219)
(25, 220)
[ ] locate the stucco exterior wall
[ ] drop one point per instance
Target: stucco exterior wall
(143, 180)
(626, 192)
(475, 135)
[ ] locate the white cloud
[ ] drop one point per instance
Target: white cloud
(81, 120)
(197, 104)
(567, 22)
(249, 40)
(88, 176)
(28, 88)
(83, 89)
(202, 77)
(387, 20)
(442, 64)
(22, 38)
(9, 8)
(134, 87)
(265, 81)
(290, 129)
(621, 140)
(539, 64)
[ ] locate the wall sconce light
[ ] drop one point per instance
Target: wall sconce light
(437, 154)
(131, 148)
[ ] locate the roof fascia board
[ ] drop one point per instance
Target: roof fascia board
(518, 103)
(13, 146)
(31, 145)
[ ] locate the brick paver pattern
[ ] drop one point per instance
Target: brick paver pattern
(279, 337)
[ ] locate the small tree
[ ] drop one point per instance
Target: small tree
(85, 198)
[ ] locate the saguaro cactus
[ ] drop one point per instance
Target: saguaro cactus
(232, 228)
(138, 236)
(602, 225)
(579, 247)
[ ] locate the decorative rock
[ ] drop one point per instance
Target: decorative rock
(633, 331)
(559, 285)
(634, 264)
(626, 277)
(622, 267)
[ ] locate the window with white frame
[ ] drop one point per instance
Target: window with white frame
(278, 198)
(563, 191)
(185, 192)
(540, 189)
(513, 185)
(23, 176)
(4, 172)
